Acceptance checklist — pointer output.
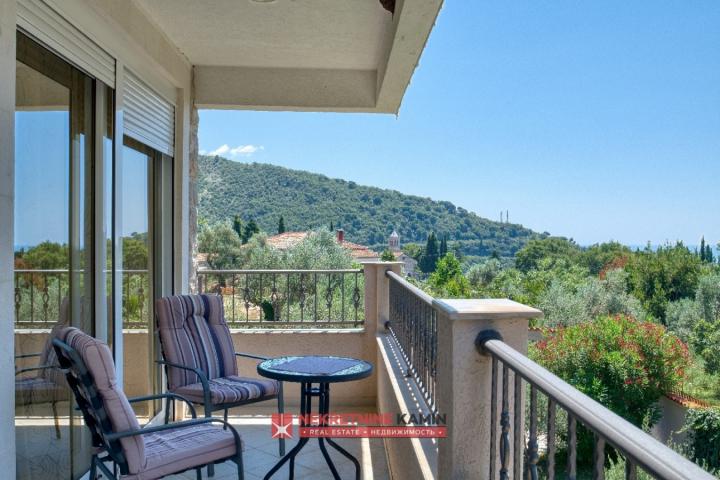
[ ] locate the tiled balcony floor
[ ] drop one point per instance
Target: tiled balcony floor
(47, 454)
(261, 453)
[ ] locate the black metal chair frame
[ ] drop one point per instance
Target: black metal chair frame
(104, 439)
(41, 368)
(207, 399)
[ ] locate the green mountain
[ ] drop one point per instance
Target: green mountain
(367, 214)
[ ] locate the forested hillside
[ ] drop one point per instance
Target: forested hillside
(306, 200)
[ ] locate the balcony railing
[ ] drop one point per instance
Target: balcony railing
(540, 426)
(39, 296)
(638, 448)
(288, 298)
(413, 324)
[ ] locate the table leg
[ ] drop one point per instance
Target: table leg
(323, 394)
(290, 456)
(347, 455)
(328, 460)
(305, 409)
(325, 408)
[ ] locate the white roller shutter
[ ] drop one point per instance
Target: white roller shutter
(148, 117)
(42, 22)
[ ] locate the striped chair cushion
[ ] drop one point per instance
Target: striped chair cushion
(193, 332)
(48, 356)
(182, 448)
(98, 360)
(231, 389)
(38, 390)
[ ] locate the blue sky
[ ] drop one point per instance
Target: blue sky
(42, 181)
(593, 120)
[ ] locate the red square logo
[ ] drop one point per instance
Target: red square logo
(281, 425)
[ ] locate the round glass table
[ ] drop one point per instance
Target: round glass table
(315, 373)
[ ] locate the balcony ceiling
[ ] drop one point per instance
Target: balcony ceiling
(307, 55)
(327, 34)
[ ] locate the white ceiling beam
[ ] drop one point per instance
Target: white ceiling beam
(414, 20)
(248, 88)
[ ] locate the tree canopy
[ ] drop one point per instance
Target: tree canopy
(309, 201)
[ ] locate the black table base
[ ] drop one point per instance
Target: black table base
(307, 392)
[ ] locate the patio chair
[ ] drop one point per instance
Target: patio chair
(200, 359)
(47, 384)
(139, 453)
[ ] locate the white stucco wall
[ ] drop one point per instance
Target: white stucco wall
(672, 420)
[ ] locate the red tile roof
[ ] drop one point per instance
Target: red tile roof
(283, 241)
(286, 240)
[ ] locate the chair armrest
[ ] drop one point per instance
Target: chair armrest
(250, 355)
(28, 355)
(165, 395)
(203, 381)
(188, 423)
(196, 371)
(32, 369)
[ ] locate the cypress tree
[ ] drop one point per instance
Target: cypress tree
(250, 229)
(237, 226)
(702, 249)
(430, 255)
(332, 227)
(443, 246)
(281, 225)
(709, 257)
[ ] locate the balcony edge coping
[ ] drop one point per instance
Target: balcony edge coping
(484, 309)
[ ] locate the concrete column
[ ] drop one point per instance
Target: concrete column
(7, 198)
(377, 292)
(464, 379)
(189, 200)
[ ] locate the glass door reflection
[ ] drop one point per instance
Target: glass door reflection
(56, 265)
(136, 245)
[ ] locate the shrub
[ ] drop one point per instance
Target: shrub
(703, 442)
(481, 274)
(598, 257)
(448, 278)
(665, 275)
(615, 470)
(562, 306)
(623, 363)
(550, 248)
(319, 250)
(387, 256)
(568, 303)
(705, 342)
(682, 316)
(268, 310)
(222, 245)
(708, 296)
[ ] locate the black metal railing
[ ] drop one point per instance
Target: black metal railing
(413, 324)
(39, 295)
(512, 372)
(288, 298)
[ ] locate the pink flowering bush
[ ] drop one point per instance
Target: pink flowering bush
(622, 363)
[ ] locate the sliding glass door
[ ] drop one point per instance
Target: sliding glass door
(55, 265)
(93, 249)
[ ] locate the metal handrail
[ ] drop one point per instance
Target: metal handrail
(410, 287)
(65, 270)
(639, 447)
(39, 305)
(41, 270)
(412, 322)
(270, 271)
(303, 298)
